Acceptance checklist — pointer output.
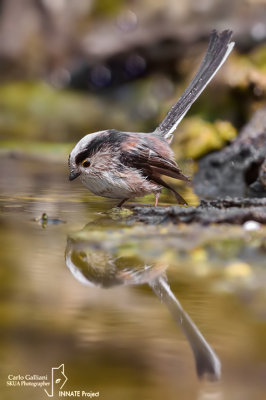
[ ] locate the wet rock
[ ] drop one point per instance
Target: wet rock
(239, 169)
(258, 187)
(229, 210)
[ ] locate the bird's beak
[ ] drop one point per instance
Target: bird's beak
(73, 175)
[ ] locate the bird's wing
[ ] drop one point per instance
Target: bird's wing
(151, 161)
(218, 50)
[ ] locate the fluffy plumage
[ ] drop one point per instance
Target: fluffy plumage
(124, 165)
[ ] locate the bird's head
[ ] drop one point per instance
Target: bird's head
(81, 158)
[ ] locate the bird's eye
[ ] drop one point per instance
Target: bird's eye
(86, 163)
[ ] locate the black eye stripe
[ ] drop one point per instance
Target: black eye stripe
(111, 138)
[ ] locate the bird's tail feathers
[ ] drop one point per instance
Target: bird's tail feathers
(218, 50)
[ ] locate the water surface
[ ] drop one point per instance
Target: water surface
(121, 341)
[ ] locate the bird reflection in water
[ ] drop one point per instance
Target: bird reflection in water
(94, 265)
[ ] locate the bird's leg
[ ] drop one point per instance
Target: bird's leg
(119, 205)
(178, 197)
(157, 195)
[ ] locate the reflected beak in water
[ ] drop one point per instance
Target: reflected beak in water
(73, 175)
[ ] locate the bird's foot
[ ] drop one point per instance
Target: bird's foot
(119, 205)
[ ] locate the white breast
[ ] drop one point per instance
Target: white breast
(108, 185)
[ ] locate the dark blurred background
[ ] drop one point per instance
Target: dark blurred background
(69, 68)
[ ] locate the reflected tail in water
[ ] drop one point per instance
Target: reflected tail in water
(207, 363)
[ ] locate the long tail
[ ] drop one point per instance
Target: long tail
(207, 363)
(218, 50)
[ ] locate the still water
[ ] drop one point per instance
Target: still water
(100, 295)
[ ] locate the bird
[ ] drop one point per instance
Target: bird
(125, 165)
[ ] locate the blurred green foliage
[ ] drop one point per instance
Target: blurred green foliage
(36, 111)
(197, 137)
(107, 7)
